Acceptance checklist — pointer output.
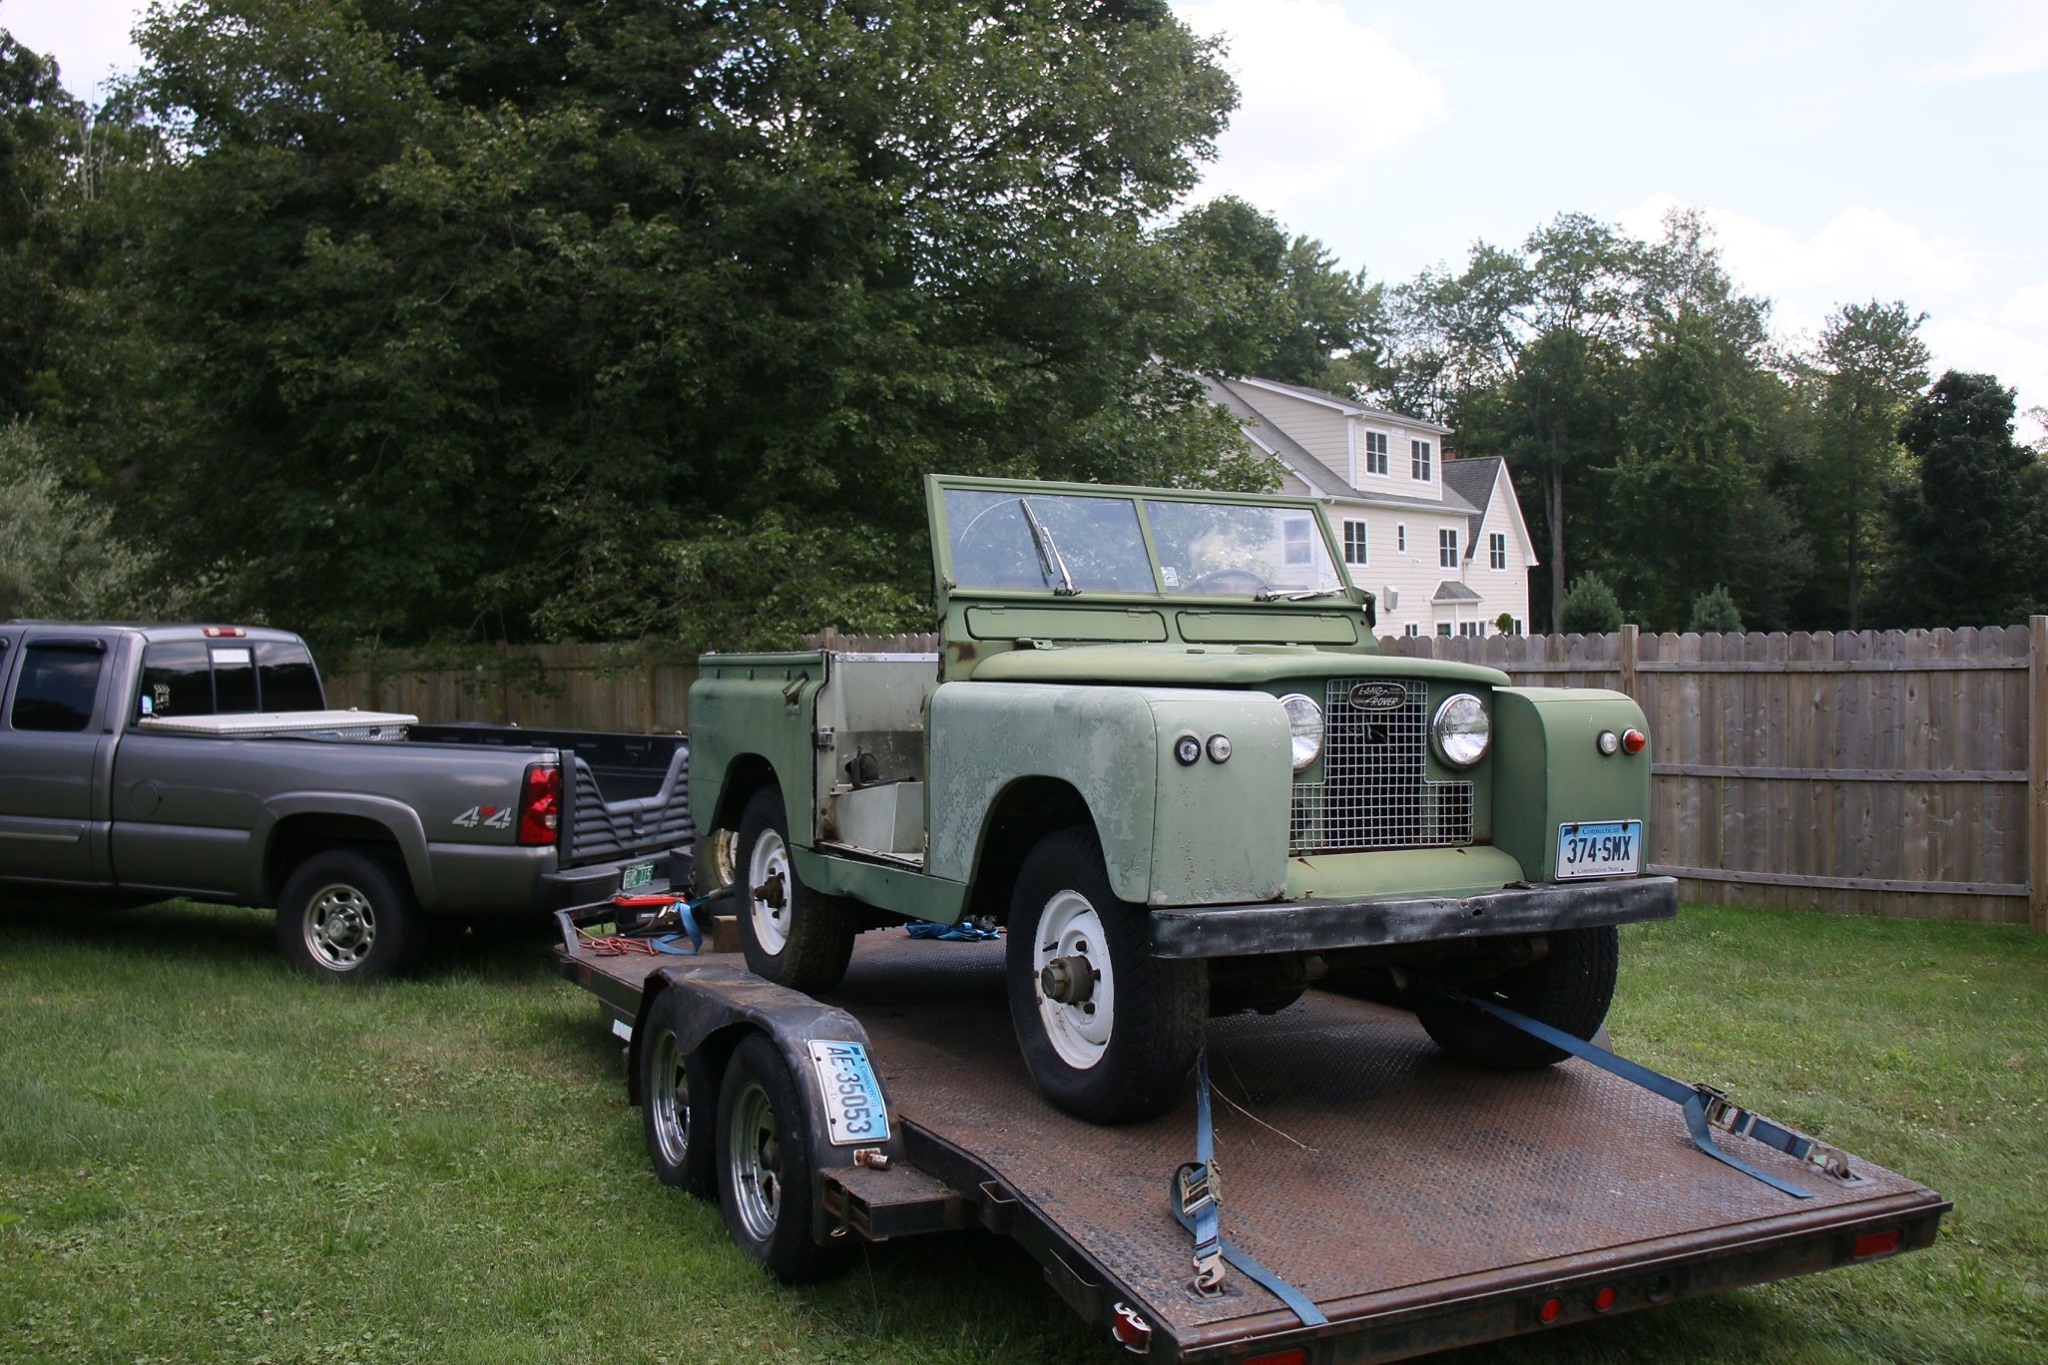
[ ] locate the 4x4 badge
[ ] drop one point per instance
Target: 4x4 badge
(1379, 697)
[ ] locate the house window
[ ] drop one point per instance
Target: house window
(1418, 459)
(1354, 542)
(1447, 548)
(1497, 550)
(1413, 630)
(1401, 539)
(1375, 453)
(1294, 541)
(1470, 628)
(1443, 628)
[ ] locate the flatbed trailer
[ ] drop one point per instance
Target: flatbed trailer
(1420, 1203)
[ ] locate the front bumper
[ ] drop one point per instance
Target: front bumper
(1314, 926)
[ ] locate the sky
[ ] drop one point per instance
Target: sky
(1841, 152)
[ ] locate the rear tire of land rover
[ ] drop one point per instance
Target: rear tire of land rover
(1569, 988)
(348, 915)
(1109, 1032)
(791, 935)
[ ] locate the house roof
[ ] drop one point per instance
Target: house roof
(1474, 481)
(1239, 398)
(1342, 404)
(1452, 591)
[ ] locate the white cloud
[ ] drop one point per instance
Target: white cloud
(1858, 251)
(2016, 43)
(1320, 97)
(2028, 307)
(89, 38)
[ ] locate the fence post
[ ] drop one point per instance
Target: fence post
(2037, 776)
(1628, 662)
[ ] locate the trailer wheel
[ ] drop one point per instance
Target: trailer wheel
(791, 935)
(675, 1103)
(766, 1184)
(1109, 1032)
(1569, 989)
(348, 914)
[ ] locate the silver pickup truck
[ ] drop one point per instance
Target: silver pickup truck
(141, 762)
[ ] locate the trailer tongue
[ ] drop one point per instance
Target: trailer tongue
(1412, 1203)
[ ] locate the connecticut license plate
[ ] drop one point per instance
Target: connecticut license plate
(633, 876)
(853, 1097)
(1605, 850)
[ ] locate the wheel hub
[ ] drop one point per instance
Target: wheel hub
(1068, 980)
(340, 927)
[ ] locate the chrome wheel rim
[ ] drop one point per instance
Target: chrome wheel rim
(670, 1099)
(1070, 928)
(768, 870)
(340, 927)
(756, 1173)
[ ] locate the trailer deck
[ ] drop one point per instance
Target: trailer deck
(1422, 1204)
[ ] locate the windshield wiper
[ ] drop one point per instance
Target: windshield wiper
(1284, 595)
(1049, 560)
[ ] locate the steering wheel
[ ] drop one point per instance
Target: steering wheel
(1229, 581)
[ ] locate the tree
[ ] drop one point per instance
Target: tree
(60, 554)
(1270, 306)
(1714, 610)
(1869, 365)
(1589, 608)
(1973, 526)
(39, 135)
(625, 317)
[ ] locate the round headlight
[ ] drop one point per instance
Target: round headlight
(1461, 730)
(1305, 725)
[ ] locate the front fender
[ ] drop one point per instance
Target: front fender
(1206, 833)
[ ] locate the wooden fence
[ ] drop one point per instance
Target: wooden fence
(1890, 773)
(1893, 773)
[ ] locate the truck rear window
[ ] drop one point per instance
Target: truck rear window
(205, 678)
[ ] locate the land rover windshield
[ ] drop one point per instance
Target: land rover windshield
(1111, 543)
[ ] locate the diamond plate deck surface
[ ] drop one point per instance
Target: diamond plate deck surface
(1358, 1162)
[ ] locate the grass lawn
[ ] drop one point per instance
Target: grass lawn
(205, 1158)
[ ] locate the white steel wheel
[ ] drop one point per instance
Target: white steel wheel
(1076, 981)
(768, 889)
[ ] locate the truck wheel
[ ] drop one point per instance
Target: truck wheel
(766, 1184)
(348, 914)
(1109, 1032)
(679, 1142)
(791, 935)
(1569, 989)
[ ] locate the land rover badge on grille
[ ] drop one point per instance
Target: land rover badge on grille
(1379, 698)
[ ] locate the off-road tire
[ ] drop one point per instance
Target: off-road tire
(1157, 1007)
(816, 930)
(676, 1103)
(766, 1182)
(349, 914)
(1569, 988)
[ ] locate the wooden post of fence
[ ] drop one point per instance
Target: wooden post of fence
(1628, 662)
(2037, 776)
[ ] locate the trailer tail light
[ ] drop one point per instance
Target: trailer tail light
(1550, 1310)
(540, 804)
(1297, 1356)
(223, 632)
(1633, 740)
(1604, 1298)
(1130, 1331)
(1875, 1244)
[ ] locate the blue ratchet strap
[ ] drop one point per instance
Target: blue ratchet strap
(1196, 1196)
(1705, 1107)
(666, 943)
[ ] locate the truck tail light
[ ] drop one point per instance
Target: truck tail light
(223, 632)
(540, 804)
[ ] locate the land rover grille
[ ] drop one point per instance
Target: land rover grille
(1375, 790)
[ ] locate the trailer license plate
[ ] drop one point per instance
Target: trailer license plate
(1604, 850)
(633, 876)
(853, 1097)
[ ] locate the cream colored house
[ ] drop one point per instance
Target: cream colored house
(1441, 542)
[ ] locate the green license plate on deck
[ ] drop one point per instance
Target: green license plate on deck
(633, 876)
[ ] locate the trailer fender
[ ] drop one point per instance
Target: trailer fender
(721, 1005)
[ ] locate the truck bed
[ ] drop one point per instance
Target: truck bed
(1421, 1203)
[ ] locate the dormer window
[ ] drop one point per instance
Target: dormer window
(1375, 452)
(1419, 459)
